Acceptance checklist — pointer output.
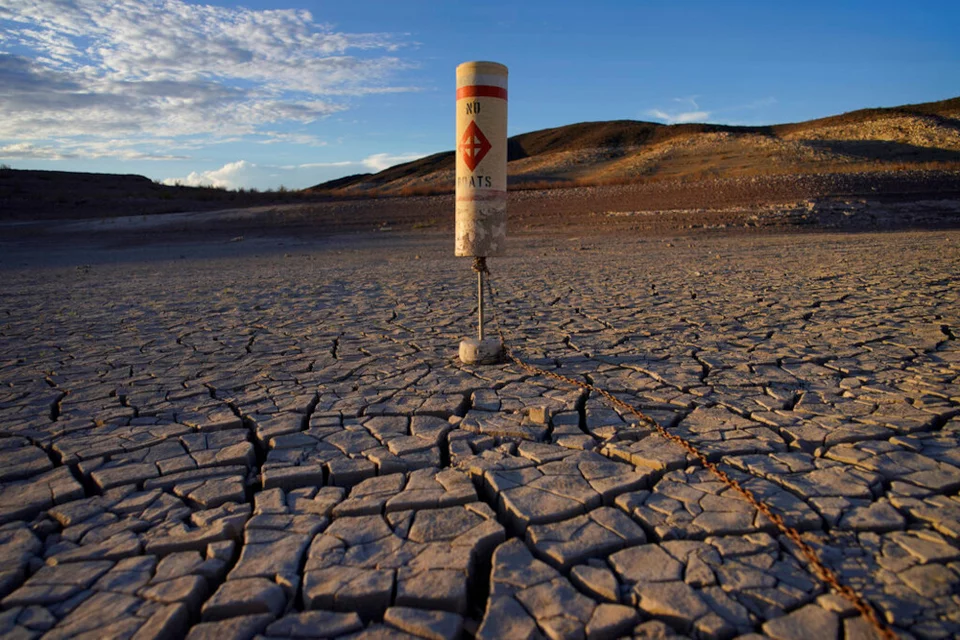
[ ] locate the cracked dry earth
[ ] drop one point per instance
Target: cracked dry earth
(286, 445)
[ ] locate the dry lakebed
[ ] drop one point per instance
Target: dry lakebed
(274, 437)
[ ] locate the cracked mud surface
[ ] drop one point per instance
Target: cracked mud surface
(285, 445)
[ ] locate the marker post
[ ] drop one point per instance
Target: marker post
(481, 190)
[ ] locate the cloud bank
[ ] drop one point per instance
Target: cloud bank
(242, 173)
(229, 176)
(84, 78)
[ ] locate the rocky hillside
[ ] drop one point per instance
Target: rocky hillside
(921, 136)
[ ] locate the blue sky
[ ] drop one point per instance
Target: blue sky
(294, 92)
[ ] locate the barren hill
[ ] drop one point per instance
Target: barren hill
(903, 153)
(27, 194)
(920, 136)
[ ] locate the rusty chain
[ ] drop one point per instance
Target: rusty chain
(819, 569)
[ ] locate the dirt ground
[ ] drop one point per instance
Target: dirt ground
(744, 207)
(257, 418)
(275, 433)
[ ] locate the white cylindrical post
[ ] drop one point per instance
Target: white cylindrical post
(481, 190)
(481, 159)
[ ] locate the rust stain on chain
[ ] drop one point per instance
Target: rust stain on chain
(819, 569)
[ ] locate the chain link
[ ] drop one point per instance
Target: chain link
(819, 569)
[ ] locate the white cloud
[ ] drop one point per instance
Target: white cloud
(318, 165)
(696, 114)
(246, 174)
(230, 176)
(381, 161)
(679, 118)
(305, 139)
(166, 68)
(28, 150)
(86, 151)
(693, 114)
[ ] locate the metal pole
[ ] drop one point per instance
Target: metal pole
(480, 303)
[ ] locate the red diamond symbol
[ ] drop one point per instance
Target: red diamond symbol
(473, 145)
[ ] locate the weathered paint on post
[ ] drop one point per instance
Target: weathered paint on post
(481, 159)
